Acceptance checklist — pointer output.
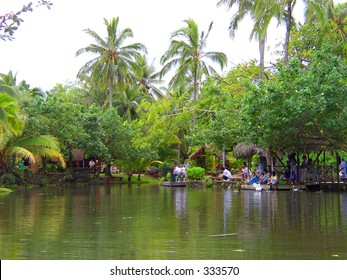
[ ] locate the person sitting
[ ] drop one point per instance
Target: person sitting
(287, 172)
(244, 172)
(258, 168)
(264, 178)
(175, 172)
(226, 174)
(273, 180)
(293, 178)
(253, 178)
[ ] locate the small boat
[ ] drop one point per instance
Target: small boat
(174, 184)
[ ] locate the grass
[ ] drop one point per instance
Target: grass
(145, 179)
(5, 190)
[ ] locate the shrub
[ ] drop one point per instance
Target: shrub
(43, 183)
(8, 179)
(195, 173)
(208, 181)
(68, 177)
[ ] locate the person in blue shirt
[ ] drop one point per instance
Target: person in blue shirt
(293, 178)
(343, 165)
(253, 178)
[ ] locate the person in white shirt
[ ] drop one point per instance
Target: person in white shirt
(181, 173)
(226, 174)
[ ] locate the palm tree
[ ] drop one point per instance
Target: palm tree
(187, 52)
(250, 7)
(8, 84)
(115, 62)
(28, 148)
(128, 103)
(9, 119)
(263, 11)
(149, 78)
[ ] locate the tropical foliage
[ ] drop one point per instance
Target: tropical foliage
(115, 63)
(119, 112)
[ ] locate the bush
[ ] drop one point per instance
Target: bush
(208, 181)
(68, 177)
(168, 176)
(8, 179)
(195, 173)
(43, 183)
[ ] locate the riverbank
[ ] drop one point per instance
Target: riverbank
(4, 190)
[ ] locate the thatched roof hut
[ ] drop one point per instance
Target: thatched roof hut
(243, 150)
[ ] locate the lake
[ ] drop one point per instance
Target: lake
(124, 222)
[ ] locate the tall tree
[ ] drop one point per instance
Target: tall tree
(187, 52)
(128, 103)
(115, 62)
(8, 84)
(9, 118)
(28, 148)
(261, 22)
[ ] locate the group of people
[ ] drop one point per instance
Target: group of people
(263, 178)
(261, 175)
(94, 167)
(180, 172)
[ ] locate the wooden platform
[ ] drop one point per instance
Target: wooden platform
(174, 184)
(230, 182)
(327, 186)
(275, 187)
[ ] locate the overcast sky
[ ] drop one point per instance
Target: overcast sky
(43, 52)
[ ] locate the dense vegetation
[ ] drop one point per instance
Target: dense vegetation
(117, 109)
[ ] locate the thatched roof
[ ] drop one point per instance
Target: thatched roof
(243, 150)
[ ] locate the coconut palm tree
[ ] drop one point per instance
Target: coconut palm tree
(8, 84)
(128, 103)
(263, 11)
(187, 52)
(9, 118)
(115, 62)
(149, 78)
(261, 20)
(27, 148)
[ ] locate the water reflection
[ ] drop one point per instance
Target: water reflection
(152, 222)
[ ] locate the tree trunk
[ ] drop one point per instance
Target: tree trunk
(129, 176)
(44, 164)
(110, 81)
(195, 93)
(262, 56)
(19, 178)
(71, 161)
(288, 28)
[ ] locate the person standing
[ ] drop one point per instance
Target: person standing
(343, 166)
(262, 162)
(303, 168)
(91, 164)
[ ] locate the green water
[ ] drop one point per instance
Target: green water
(153, 222)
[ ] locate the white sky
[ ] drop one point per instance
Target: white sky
(43, 52)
